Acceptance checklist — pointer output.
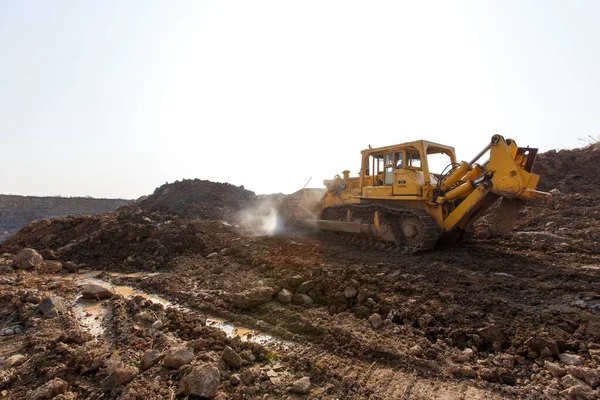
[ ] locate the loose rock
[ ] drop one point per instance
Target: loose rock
(376, 321)
(254, 297)
(48, 390)
(301, 386)
(302, 299)
(555, 369)
(149, 358)
(201, 381)
(175, 357)
(231, 358)
(350, 292)
(96, 291)
(119, 376)
(416, 351)
(284, 296)
(51, 307)
(571, 359)
(27, 259)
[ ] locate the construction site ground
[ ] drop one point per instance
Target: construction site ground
(191, 266)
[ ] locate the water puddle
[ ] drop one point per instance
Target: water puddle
(92, 313)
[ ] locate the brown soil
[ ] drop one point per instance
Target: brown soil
(488, 315)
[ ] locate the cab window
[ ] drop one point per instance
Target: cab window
(413, 160)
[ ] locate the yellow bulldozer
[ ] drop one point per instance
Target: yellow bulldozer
(397, 203)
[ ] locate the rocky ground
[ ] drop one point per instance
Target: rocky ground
(516, 316)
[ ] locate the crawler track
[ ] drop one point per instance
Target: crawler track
(428, 235)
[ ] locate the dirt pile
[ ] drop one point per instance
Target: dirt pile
(198, 199)
(570, 171)
(140, 236)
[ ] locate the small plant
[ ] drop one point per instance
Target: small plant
(591, 141)
(272, 357)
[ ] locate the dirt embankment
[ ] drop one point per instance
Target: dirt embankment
(504, 317)
(18, 211)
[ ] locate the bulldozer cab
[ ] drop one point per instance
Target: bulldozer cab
(403, 169)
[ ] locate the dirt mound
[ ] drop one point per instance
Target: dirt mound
(570, 171)
(130, 238)
(198, 198)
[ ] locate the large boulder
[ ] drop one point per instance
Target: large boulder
(96, 291)
(202, 381)
(27, 259)
(254, 297)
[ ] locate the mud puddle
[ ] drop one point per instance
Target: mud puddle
(92, 313)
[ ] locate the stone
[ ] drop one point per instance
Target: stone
(571, 359)
(301, 386)
(96, 291)
(555, 369)
(51, 307)
(416, 351)
(231, 358)
(426, 320)
(488, 374)
(50, 267)
(350, 292)
(284, 296)
(253, 297)
(492, 334)
(588, 375)
(376, 321)
(362, 312)
(198, 344)
(295, 281)
(579, 386)
(235, 379)
(302, 299)
(48, 390)
(202, 381)
(462, 372)
(431, 354)
(27, 259)
(156, 325)
(48, 254)
(537, 344)
(212, 255)
(149, 358)
(305, 287)
(175, 357)
(70, 266)
(507, 376)
(248, 356)
(120, 376)
(13, 361)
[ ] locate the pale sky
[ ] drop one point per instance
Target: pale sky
(114, 98)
